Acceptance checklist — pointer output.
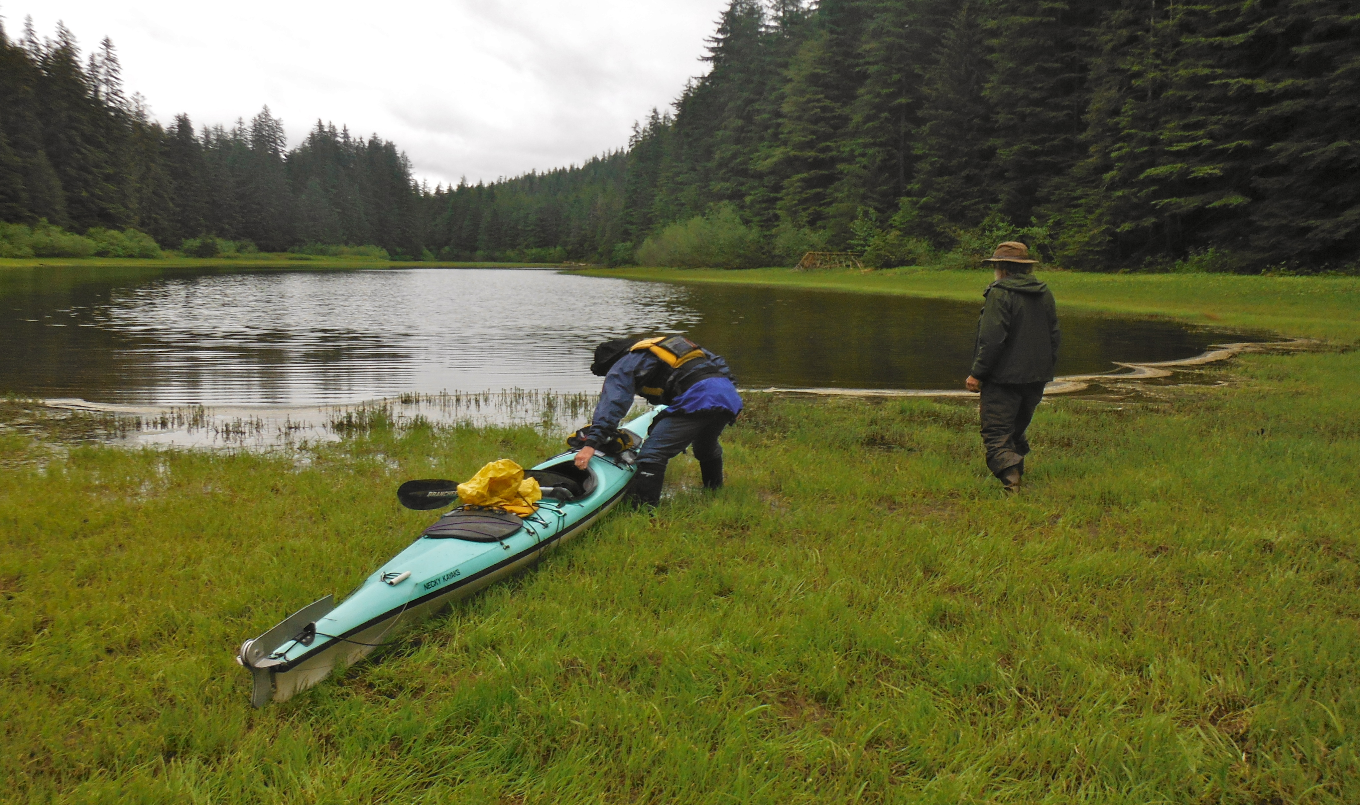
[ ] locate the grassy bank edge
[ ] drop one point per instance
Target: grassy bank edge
(1314, 307)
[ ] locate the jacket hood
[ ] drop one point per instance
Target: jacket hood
(1022, 283)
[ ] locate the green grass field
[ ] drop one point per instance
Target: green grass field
(1168, 613)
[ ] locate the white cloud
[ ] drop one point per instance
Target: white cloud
(481, 89)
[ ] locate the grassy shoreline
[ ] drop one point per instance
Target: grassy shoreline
(1168, 613)
(1314, 307)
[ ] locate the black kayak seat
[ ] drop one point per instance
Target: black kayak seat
(579, 483)
(475, 525)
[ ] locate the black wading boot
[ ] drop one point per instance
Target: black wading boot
(645, 490)
(711, 472)
(1010, 479)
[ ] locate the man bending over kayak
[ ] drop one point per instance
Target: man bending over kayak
(694, 384)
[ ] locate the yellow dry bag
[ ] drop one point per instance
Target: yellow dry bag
(501, 485)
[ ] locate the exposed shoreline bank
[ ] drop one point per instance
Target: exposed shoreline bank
(270, 426)
(1075, 384)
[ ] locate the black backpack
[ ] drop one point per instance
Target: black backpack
(616, 441)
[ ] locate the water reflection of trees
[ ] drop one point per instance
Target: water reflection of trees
(797, 338)
(121, 336)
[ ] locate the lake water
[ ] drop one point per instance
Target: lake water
(307, 338)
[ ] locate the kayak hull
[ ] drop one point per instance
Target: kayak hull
(426, 577)
(340, 654)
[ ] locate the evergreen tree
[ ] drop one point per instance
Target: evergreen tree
(1166, 161)
(14, 203)
(1040, 56)
(150, 193)
(954, 147)
(265, 196)
(187, 172)
(646, 158)
(806, 157)
(885, 114)
(739, 78)
(79, 138)
(20, 84)
(1307, 184)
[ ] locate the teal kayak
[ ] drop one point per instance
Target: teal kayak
(455, 557)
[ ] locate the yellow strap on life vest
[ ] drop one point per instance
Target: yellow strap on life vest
(664, 353)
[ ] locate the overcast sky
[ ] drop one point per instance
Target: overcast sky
(477, 89)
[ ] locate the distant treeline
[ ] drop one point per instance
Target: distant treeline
(1108, 133)
(1105, 133)
(79, 154)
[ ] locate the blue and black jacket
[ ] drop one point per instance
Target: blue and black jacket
(700, 386)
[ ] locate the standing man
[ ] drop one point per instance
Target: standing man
(694, 384)
(1017, 345)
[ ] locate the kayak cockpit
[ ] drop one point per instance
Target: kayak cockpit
(568, 482)
(562, 482)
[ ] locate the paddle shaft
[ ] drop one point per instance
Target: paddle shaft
(438, 492)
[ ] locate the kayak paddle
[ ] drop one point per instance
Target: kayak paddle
(435, 493)
(427, 494)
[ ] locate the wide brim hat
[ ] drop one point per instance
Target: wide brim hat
(608, 354)
(1012, 251)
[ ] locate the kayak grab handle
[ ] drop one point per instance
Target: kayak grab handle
(393, 579)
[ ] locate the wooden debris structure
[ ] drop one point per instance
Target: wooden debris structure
(814, 260)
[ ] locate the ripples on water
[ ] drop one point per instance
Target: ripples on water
(319, 338)
(322, 338)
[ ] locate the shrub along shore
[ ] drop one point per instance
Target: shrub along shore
(1167, 613)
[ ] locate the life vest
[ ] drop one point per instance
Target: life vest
(680, 364)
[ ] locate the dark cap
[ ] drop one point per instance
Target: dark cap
(608, 354)
(1012, 251)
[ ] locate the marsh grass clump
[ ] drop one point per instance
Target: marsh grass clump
(1165, 614)
(549, 410)
(362, 419)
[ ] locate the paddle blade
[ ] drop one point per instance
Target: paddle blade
(426, 495)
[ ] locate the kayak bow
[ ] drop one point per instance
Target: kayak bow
(460, 554)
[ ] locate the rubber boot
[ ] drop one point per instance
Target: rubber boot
(1010, 479)
(711, 472)
(645, 490)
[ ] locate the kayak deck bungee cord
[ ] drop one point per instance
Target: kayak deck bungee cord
(463, 552)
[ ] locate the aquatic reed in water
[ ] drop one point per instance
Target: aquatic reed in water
(270, 428)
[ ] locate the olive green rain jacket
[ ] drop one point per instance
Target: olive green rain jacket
(1017, 336)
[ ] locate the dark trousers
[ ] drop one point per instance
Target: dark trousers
(1006, 411)
(673, 434)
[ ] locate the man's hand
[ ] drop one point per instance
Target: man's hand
(972, 384)
(583, 457)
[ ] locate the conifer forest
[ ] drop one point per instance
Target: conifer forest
(1107, 134)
